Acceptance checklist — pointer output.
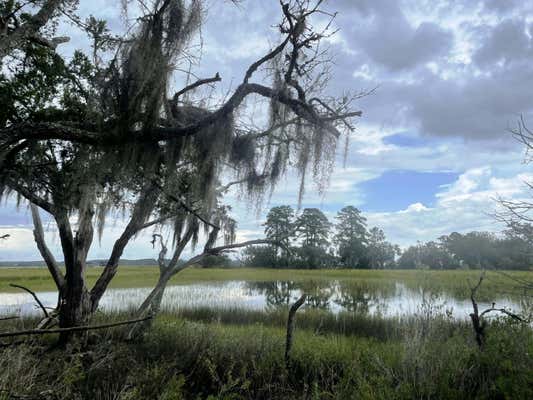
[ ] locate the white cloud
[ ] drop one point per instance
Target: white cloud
(462, 206)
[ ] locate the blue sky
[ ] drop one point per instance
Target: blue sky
(396, 189)
(432, 149)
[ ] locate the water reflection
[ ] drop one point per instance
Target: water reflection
(392, 299)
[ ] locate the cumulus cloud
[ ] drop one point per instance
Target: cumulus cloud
(463, 206)
(454, 74)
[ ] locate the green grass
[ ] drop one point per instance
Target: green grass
(180, 359)
(456, 282)
(234, 353)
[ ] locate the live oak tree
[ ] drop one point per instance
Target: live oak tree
(102, 134)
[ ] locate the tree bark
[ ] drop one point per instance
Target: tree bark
(75, 306)
(51, 263)
(290, 326)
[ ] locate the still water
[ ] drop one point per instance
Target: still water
(389, 301)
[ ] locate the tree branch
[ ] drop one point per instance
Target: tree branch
(47, 255)
(31, 197)
(30, 29)
(141, 211)
(73, 329)
(194, 85)
(34, 296)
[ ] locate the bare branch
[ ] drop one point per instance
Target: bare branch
(73, 329)
(194, 85)
(34, 296)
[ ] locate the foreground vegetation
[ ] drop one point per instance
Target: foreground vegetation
(427, 357)
(234, 353)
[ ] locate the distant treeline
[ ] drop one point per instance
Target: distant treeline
(310, 240)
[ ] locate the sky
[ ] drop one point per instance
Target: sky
(432, 150)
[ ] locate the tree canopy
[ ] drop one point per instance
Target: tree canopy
(106, 132)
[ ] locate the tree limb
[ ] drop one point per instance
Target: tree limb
(47, 255)
(31, 197)
(194, 85)
(30, 29)
(43, 308)
(73, 329)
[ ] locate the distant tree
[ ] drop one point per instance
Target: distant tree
(313, 229)
(473, 249)
(351, 237)
(259, 256)
(380, 253)
(515, 250)
(280, 228)
(217, 261)
(430, 255)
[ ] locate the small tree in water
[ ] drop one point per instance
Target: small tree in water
(100, 134)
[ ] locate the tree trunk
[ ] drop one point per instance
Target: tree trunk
(75, 302)
(150, 305)
(290, 327)
(74, 310)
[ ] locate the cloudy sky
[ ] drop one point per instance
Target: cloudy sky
(432, 149)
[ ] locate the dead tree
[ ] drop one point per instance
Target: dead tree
(478, 322)
(517, 215)
(290, 327)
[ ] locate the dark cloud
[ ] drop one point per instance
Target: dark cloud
(383, 32)
(478, 108)
(501, 6)
(397, 46)
(505, 42)
(477, 100)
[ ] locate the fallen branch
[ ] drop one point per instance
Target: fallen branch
(8, 318)
(73, 329)
(34, 296)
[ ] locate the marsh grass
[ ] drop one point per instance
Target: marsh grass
(227, 352)
(455, 282)
(182, 359)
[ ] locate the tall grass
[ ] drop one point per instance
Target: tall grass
(181, 359)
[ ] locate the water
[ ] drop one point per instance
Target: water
(389, 301)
